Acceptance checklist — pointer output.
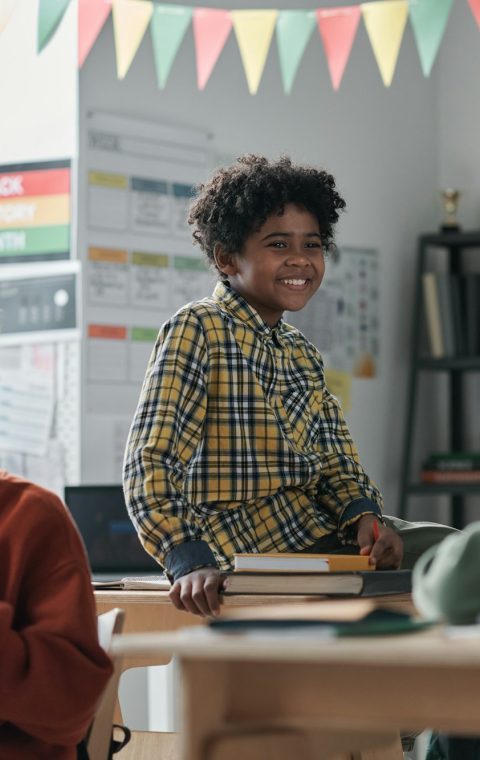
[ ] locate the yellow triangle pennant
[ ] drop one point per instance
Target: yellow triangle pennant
(385, 24)
(254, 31)
(130, 21)
(6, 9)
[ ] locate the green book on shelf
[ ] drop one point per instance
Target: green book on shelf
(453, 461)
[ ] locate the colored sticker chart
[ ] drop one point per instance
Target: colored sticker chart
(37, 304)
(151, 285)
(118, 354)
(35, 212)
(342, 318)
(138, 204)
(159, 281)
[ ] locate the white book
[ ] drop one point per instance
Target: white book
(293, 562)
(286, 562)
(139, 583)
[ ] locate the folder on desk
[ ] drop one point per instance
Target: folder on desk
(355, 617)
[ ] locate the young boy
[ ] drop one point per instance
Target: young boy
(236, 444)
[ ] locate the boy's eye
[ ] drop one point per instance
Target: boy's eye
(278, 244)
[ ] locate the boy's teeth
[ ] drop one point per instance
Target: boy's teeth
(295, 282)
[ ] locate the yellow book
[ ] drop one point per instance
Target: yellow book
(285, 562)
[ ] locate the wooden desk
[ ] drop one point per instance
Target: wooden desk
(153, 611)
(345, 693)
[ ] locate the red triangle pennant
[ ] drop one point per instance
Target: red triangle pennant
(211, 28)
(475, 7)
(338, 27)
(92, 15)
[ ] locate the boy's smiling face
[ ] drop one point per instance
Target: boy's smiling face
(280, 266)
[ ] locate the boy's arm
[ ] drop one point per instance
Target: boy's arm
(165, 433)
(344, 487)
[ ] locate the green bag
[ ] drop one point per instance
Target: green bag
(446, 578)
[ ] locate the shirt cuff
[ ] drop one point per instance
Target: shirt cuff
(352, 513)
(187, 557)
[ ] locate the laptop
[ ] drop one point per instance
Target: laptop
(113, 547)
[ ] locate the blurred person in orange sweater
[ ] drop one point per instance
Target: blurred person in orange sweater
(52, 668)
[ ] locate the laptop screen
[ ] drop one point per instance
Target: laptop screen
(110, 538)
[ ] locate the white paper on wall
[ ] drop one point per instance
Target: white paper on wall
(139, 266)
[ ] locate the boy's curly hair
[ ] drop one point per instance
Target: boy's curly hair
(237, 200)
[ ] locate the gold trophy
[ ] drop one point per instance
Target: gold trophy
(450, 200)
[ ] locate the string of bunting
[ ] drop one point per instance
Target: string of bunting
(384, 20)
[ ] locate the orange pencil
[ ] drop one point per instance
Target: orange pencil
(376, 530)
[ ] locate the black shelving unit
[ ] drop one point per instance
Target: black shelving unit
(454, 243)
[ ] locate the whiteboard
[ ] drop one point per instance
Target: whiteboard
(138, 266)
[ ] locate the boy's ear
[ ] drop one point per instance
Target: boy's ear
(225, 261)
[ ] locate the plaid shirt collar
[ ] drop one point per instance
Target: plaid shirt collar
(237, 307)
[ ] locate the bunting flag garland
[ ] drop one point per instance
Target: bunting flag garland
(385, 24)
(294, 29)
(92, 15)
(50, 14)
(429, 19)
(254, 31)
(337, 28)
(6, 9)
(130, 21)
(384, 21)
(475, 8)
(211, 28)
(168, 27)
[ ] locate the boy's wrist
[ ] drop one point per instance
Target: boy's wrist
(189, 556)
(348, 523)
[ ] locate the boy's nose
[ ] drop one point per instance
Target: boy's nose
(298, 258)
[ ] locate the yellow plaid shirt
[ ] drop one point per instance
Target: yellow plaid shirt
(236, 444)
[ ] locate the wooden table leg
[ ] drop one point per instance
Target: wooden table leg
(213, 732)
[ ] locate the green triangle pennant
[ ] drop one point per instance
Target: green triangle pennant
(50, 14)
(429, 20)
(168, 27)
(294, 29)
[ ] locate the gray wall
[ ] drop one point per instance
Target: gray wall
(380, 143)
(390, 149)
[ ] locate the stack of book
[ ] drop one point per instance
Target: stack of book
(323, 574)
(452, 310)
(452, 467)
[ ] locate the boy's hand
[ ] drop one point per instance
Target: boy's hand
(198, 592)
(386, 551)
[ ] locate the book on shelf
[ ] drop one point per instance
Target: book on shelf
(137, 582)
(450, 477)
(352, 617)
(295, 562)
(353, 583)
(433, 315)
(445, 302)
(459, 314)
(453, 461)
(472, 313)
